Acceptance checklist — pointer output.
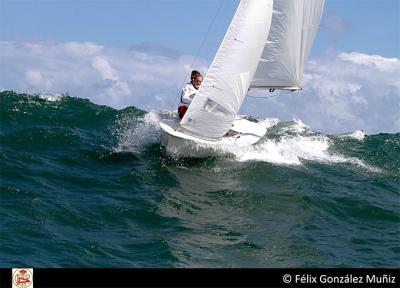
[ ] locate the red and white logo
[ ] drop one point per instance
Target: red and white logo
(22, 278)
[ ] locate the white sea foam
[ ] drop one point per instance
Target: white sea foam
(358, 134)
(293, 149)
(296, 150)
(268, 122)
(288, 150)
(51, 97)
(134, 136)
(299, 126)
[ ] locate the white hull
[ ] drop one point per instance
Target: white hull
(176, 143)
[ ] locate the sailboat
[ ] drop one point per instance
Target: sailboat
(265, 47)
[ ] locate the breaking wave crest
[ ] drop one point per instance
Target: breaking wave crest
(134, 133)
(284, 143)
(293, 143)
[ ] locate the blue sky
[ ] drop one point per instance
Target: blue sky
(137, 53)
(369, 26)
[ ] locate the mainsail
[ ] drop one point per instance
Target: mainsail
(293, 29)
(250, 55)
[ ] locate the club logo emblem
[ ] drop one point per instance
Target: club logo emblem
(22, 278)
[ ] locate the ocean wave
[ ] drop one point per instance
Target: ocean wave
(94, 179)
(132, 130)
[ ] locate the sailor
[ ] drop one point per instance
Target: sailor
(189, 91)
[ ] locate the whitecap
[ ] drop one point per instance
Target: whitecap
(52, 97)
(135, 133)
(358, 135)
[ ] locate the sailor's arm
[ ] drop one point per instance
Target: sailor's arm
(187, 95)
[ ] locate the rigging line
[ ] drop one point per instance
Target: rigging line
(203, 41)
(206, 35)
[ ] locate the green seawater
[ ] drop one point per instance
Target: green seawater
(84, 185)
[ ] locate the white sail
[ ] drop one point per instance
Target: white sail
(293, 29)
(221, 94)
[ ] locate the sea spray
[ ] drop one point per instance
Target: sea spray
(291, 143)
(134, 133)
(358, 135)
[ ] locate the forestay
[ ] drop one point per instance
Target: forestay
(221, 94)
(293, 29)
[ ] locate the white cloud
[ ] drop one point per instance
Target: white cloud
(373, 61)
(118, 78)
(35, 78)
(342, 92)
(102, 65)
